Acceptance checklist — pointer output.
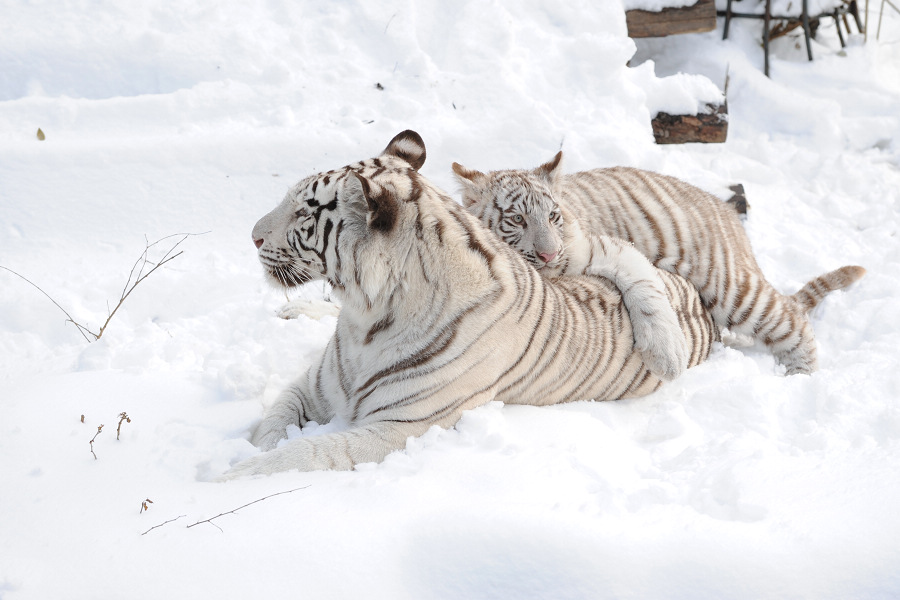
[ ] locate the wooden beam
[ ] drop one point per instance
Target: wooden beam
(705, 127)
(670, 21)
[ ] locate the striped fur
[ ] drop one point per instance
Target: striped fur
(439, 316)
(679, 227)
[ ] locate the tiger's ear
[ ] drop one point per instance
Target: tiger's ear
(473, 182)
(380, 204)
(551, 171)
(409, 146)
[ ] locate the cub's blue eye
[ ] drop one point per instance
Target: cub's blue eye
(518, 218)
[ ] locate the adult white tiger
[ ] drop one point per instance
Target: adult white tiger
(547, 216)
(439, 316)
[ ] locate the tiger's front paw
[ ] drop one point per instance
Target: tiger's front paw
(255, 465)
(270, 431)
(661, 343)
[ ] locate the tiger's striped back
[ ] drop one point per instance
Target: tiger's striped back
(679, 227)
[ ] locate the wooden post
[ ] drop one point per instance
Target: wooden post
(670, 21)
(706, 127)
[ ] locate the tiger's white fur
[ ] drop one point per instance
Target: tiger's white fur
(680, 228)
(439, 316)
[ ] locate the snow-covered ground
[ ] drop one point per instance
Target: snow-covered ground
(160, 118)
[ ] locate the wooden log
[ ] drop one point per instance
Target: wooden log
(670, 21)
(706, 127)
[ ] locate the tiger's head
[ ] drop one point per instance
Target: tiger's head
(342, 224)
(520, 206)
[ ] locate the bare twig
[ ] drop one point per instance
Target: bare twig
(233, 511)
(99, 429)
(143, 260)
(136, 276)
(69, 320)
(163, 523)
(122, 417)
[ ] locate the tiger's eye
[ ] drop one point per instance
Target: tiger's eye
(518, 218)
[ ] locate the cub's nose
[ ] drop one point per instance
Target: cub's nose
(258, 242)
(547, 257)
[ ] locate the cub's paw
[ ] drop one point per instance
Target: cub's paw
(661, 343)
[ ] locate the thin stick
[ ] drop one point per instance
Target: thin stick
(99, 429)
(122, 417)
(164, 523)
(70, 319)
(143, 260)
(233, 511)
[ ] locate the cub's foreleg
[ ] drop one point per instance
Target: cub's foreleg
(657, 334)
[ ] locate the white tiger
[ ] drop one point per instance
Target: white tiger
(439, 316)
(680, 228)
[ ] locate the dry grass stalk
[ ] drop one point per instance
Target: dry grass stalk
(139, 272)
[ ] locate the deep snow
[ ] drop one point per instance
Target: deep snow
(732, 481)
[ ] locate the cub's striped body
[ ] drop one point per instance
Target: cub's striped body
(439, 316)
(679, 227)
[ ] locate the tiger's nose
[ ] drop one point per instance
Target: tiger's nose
(547, 257)
(258, 242)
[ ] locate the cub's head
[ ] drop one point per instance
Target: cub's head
(343, 225)
(519, 206)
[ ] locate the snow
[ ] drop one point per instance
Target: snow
(656, 5)
(732, 481)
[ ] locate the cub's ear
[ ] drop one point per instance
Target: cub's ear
(381, 205)
(409, 146)
(552, 170)
(473, 182)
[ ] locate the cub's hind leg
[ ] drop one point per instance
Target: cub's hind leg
(790, 337)
(782, 322)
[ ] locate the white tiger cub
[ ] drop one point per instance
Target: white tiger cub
(680, 228)
(439, 316)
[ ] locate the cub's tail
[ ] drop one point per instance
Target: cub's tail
(813, 292)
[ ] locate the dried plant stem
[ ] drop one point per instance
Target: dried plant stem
(69, 320)
(122, 417)
(139, 272)
(163, 523)
(99, 429)
(233, 511)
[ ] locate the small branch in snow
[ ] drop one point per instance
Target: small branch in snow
(136, 276)
(145, 505)
(389, 22)
(163, 523)
(233, 511)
